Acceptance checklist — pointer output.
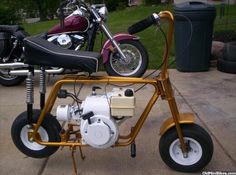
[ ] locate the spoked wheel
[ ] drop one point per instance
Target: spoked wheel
(199, 146)
(134, 65)
(10, 80)
(48, 131)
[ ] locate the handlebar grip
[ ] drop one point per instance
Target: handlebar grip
(141, 25)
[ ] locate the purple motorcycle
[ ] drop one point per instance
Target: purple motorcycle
(122, 54)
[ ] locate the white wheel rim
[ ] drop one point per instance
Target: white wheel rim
(33, 145)
(194, 153)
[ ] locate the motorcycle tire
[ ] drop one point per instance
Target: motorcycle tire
(226, 66)
(230, 52)
(11, 80)
(6, 79)
(136, 62)
(48, 131)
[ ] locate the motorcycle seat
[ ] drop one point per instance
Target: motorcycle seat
(10, 28)
(39, 51)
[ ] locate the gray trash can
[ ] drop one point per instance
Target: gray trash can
(193, 35)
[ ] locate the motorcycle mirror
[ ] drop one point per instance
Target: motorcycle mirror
(61, 17)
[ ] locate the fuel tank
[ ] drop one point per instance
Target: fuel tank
(72, 23)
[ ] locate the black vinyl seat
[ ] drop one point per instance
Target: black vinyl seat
(10, 28)
(14, 30)
(39, 51)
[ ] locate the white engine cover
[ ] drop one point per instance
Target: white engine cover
(101, 133)
(64, 41)
(96, 103)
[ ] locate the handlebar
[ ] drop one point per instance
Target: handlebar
(155, 19)
(143, 24)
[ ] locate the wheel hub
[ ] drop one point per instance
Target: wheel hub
(193, 155)
(25, 133)
(128, 58)
(128, 65)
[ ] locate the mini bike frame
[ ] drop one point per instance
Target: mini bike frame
(162, 87)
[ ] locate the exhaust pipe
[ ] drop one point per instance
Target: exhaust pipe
(25, 72)
(13, 65)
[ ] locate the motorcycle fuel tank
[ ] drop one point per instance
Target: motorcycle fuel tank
(72, 23)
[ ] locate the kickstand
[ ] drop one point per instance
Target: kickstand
(73, 150)
(82, 156)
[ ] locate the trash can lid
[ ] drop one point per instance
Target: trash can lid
(192, 6)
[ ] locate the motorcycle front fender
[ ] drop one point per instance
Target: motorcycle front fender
(108, 47)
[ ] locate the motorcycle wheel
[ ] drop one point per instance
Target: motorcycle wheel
(136, 61)
(10, 80)
(48, 132)
(199, 145)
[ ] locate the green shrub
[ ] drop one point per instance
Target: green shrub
(115, 5)
(111, 4)
(150, 2)
(8, 15)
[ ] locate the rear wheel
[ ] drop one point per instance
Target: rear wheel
(134, 65)
(13, 55)
(48, 132)
(199, 146)
(10, 80)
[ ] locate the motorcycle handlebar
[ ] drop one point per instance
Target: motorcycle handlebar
(143, 24)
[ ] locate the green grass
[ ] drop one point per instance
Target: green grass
(228, 21)
(152, 39)
(39, 27)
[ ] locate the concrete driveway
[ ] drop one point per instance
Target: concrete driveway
(211, 96)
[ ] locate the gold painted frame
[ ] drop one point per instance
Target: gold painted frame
(162, 87)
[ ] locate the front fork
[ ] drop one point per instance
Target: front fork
(30, 95)
(108, 46)
(177, 118)
(107, 32)
(30, 92)
(113, 41)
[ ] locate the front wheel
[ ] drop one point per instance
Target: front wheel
(199, 146)
(134, 65)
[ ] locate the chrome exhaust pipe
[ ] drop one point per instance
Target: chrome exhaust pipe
(25, 72)
(13, 65)
(21, 72)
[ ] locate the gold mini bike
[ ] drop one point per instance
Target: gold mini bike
(95, 120)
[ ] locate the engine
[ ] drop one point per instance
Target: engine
(67, 41)
(100, 115)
